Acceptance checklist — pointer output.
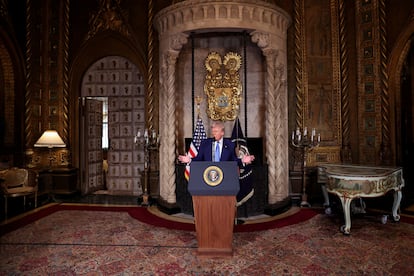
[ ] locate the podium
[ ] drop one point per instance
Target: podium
(213, 187)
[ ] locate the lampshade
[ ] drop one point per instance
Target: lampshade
(50, 139)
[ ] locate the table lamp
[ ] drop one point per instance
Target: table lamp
(50, 139)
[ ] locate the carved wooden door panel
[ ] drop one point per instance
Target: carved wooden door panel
(91, 146)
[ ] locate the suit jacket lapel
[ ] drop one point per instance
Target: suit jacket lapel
(225, 151)
(209, 154)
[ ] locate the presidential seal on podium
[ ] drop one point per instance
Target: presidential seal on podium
(213, 176)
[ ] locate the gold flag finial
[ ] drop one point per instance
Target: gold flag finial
(198, 100)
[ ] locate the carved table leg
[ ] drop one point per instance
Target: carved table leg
(396, 205)
(326, 203)
(346, 206)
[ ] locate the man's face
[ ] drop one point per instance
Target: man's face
(217, 132)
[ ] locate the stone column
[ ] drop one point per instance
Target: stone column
(170, 49)
(277, 143)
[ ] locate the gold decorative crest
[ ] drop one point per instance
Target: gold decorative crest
(222, 86)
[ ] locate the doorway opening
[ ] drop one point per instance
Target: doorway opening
(113, 110)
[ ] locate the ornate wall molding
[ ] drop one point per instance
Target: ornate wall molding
(386, 152)
(47, 71)
(64, 53)
(346, 156)
(220, 15)
(299, 59)
(3, 9)
(372, 83)
(7, 80)
(29, 124)
(318, 76)
(109, 16)
(150, 103)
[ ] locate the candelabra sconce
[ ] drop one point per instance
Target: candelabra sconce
(306, 143)
(151, 143)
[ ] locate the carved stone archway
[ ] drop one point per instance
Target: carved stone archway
(267, 26)
(397, 58)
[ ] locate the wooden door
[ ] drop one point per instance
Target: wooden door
(91, 146)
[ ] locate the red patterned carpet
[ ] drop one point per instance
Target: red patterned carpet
(95, 240)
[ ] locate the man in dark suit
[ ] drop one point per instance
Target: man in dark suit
(217, 149)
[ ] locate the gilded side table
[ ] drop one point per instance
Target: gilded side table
(352, 181)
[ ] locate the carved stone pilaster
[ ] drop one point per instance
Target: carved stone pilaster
(170, 49)
(277, 143)
(109, 16)
(167, 114)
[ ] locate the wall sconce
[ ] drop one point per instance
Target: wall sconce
(50, 139)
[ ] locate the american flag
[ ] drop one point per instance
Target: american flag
(198, 136)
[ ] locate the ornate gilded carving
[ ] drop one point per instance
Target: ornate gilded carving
(241, 14)
(373, 119)
(223, 90)
(346, 156)
(110, 16)
(299, 63)
(318, 88)
(3, 9)
(150, 100)
(65, 78)
(385, 155)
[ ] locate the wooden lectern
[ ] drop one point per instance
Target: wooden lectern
(214, 186)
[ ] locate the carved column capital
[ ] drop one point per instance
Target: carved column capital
(177, 41)
(262, 39)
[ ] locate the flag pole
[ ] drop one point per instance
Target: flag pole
(198, 100)
(192, 80)
(237, 132)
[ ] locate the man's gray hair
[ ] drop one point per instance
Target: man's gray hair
(218, 124)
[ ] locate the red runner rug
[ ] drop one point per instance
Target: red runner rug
(142, 214)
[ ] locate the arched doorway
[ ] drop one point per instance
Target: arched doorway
(12, 108)
(112, 111)
(406, 112)
(401, 91)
